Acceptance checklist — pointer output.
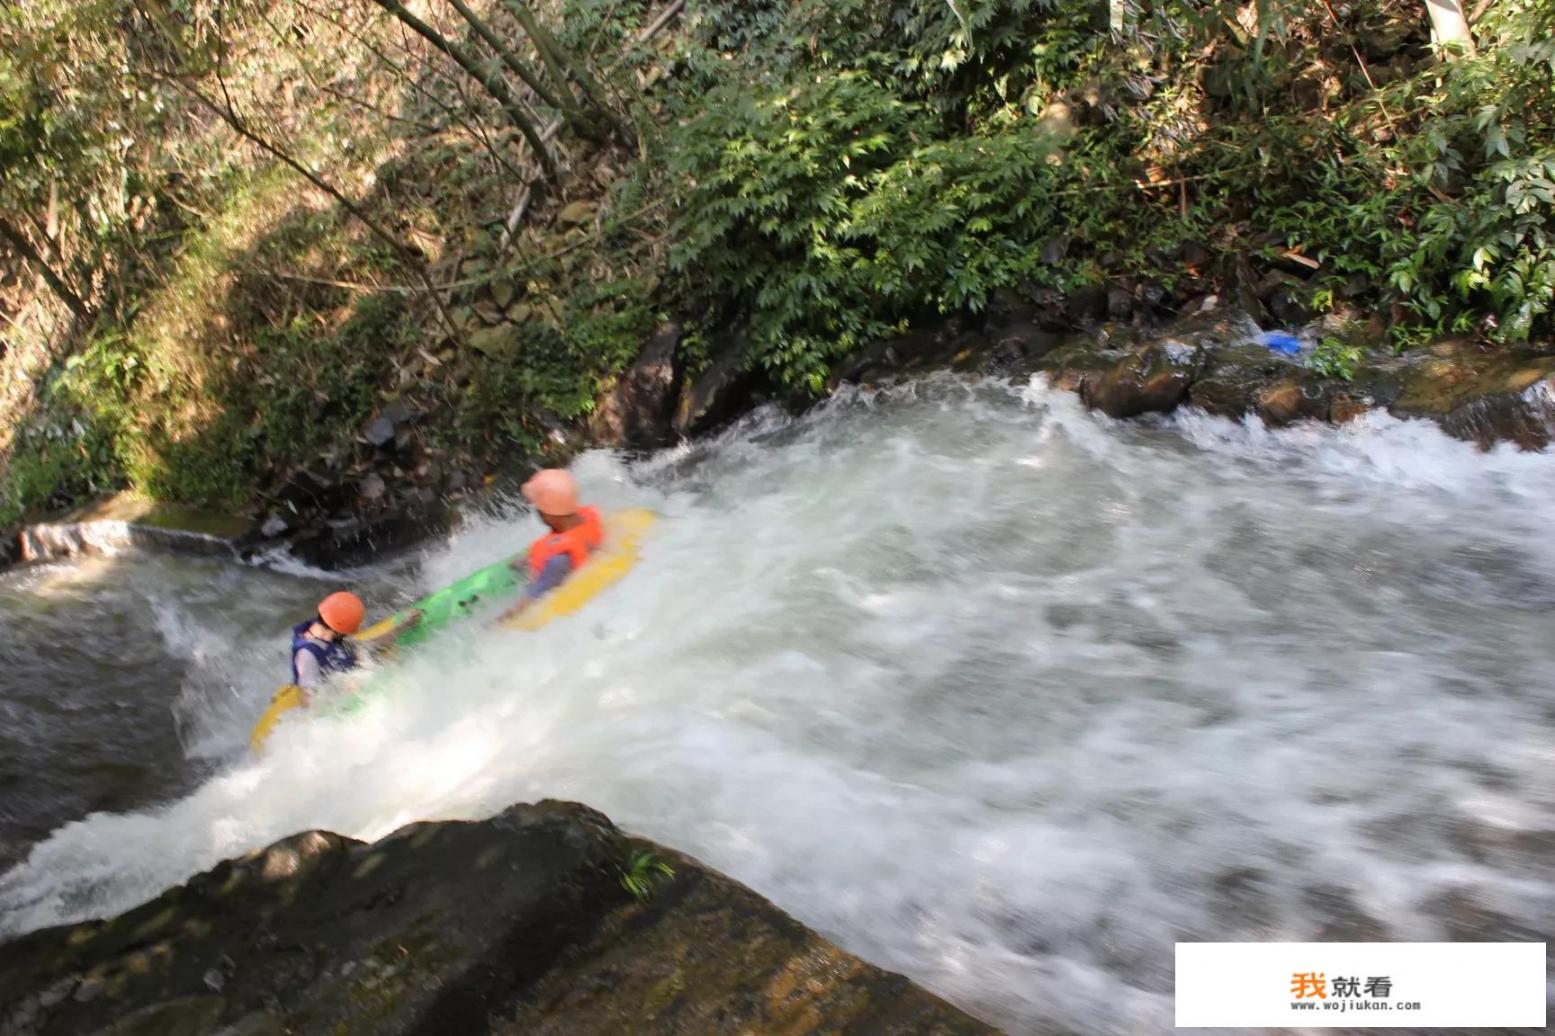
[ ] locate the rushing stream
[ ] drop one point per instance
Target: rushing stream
(988, 689)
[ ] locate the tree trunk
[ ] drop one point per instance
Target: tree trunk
(1450, 27)
(17, 240)
(488, 78)
(563, 68)
(568, 107)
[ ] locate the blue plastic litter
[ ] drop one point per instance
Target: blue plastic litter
(1280, 342)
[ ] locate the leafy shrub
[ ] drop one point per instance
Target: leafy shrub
(1333, 358)
(830, 210)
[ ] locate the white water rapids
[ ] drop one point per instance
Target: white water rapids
(988, 689)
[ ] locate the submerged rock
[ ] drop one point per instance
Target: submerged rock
(517, 924)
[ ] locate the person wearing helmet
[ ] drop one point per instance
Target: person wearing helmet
(318, 644)
(576, 532)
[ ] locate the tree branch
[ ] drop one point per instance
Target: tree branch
(412, 83)
(569, 107)
(563, 68)
(17, 240)
(489, 78)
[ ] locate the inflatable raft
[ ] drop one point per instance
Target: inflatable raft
(475, 594)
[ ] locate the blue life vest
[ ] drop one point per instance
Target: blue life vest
(334, 657)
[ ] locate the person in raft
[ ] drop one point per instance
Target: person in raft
(319, 646)
(576, 532)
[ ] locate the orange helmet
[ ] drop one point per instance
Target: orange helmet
(552, 491)
(343, 612)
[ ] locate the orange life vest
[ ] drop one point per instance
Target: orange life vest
(577, 543)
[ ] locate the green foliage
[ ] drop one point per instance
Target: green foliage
(1334, 358)
(830, 207)
(549, 369)
(53, 467)
(642, 871)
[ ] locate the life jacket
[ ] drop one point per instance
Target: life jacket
(577, 543)
(334, 657)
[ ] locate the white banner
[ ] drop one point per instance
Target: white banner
(1360, 985)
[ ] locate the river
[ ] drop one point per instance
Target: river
(990, 690)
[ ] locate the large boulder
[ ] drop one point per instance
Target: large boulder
(517, 924)
(637, 410)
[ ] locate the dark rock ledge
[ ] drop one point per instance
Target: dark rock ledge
(519, 924)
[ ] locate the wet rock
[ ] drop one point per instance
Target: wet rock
(1345, 408)
(1147, 380)
(1483, 396)
(952, 344)
(1154, 296)
(1013, 331)
(638, 409)
(1017, 342)
(517, 924)
(1054, 250)
(1232, 378)
(1245, 290)
(1200, 304)
(274, 526)
(371, 487)
(126, 522)
(1291, 399)
(719, 393)
(355, 538)
(10, 550)
(665, 967)
(1073, 366)
(308, 489)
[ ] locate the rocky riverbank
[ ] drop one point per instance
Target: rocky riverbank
(394, 492)
(518, 924)
(1212, 361)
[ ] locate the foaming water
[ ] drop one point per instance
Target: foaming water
(989, 689)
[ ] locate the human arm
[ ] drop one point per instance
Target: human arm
(556, 570)
(309, 673)
(380, 632)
